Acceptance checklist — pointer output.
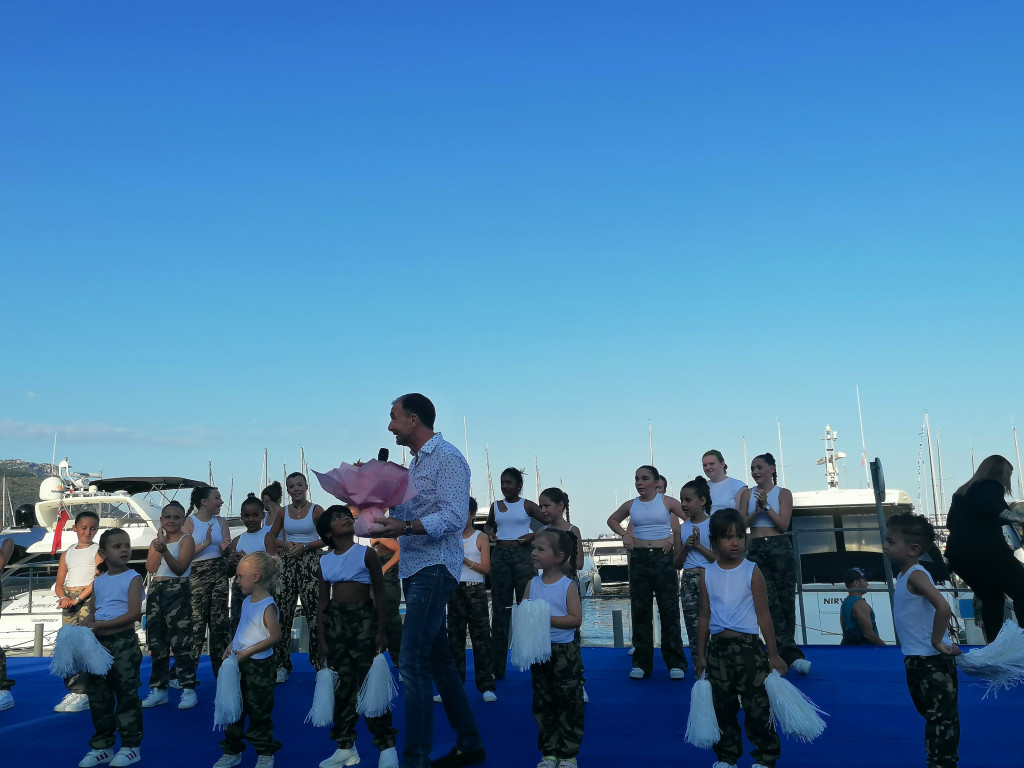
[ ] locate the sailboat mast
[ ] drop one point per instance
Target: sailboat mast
(863, 445)
(1020, 485)
(264, 479)
(931, 469)
(536, 470)
(782, 458)
(490, 480)
(938, 455)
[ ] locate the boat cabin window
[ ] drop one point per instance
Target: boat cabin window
(868, 540)
(810, 539)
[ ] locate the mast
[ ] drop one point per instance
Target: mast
(942, 484)
(264, 480)
(782, 460)
(53, 459)
(210, 471)
(490, 480)
(863, 445)
(1020, 484)
(536, 470)
(746, 464)
(829, 460)
(304, 470)
(231, 497)
(974, 468)
(931, 469)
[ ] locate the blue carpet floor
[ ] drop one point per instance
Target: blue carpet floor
(871, 720)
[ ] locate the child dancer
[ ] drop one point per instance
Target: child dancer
(114, 697)
(253, 646)
(467, 608)
(856, 616)
(558, 682)
(733, 606)
(256, 538)
(350, 634)
(6, 697)
(695, 553)
(169, 610)
(73, 587)
(921, 616)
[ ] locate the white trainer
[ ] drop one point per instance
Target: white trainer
(388, 758)
(636, 674)
(156, 697)
(437, 698)
(490, 696)
(282, 676)
(188, 699)
(803, 666)
(586, 698)
(96, 757)
(228, 761)
(264, 761)
(6, 700)
(341, 757)
(78, 702)
(720, 764)
(126, 756)
(64, 702)
(676, 673)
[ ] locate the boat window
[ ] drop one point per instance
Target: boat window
(814, 542)
(869, 540)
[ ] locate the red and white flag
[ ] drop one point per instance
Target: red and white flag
(58, 530)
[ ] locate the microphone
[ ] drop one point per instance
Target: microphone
(382, 455)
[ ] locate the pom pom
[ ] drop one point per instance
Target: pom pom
(321, 714)
(1001, 663)
(377, 690)
(78, 650)
(702, 725)
(227, 705)
(530, 642)
(792, 712)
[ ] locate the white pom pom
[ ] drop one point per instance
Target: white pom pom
(1001, 663)
(227, 706)
(78, 650)
(702, 725)
(321, 714)
(794, 713)
(530, 642)
(377, 690)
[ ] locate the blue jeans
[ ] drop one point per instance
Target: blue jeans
(426, 655)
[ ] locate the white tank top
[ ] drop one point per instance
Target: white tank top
(732, 603)
(81, 564)
(302, 531)
(252, 542)
(472, 553)
(762, 520)
(554, 596)
(724, 492)
(651, 519)
(348, 566)
(514, 523)
(694, 559)
(112, 594)
(251, 628)
(913, 616)
(199, 529)
(174, 547)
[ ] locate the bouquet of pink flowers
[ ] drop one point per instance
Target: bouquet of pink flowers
(372, 487)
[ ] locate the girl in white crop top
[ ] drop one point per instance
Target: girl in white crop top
(75, 574)
(725, 490)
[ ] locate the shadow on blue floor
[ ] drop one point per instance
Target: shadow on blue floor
(872, 721)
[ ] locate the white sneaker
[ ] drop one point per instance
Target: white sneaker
(341, 757)
(156, 697)
(228, 761)
(803, 666)
(437, 698)
(636, 674)
(96, 757)
(490, 696)
(267, 761)
(758, 765)
(6, 700)
(188, 699)
(676, 673)
(720, 764)
(173, 683)
(64, 702)
(282, 675)
(388, 758)
(126, 756)
(631, 651)
(79, 703)
(586, 699)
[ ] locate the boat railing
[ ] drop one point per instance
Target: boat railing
(17, 582)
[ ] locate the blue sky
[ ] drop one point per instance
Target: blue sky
(237, 226)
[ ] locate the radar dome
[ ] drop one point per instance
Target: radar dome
(51, 489)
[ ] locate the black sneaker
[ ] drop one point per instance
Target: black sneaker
(456, 759)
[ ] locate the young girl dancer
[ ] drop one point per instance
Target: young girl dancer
(256, 538)
(114, 698)
(558, 682)
(169, 610)
(352, 629)
(695, 553)
(75, 574)
(733, 607)
(208, 577)
(554, 512)
(725, 490)
(253, 645)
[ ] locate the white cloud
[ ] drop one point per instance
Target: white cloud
(98, 433)
(31, 395)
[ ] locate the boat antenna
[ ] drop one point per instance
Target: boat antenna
(304, 469)
(1016, 445)
(920, 468)
(863, 445)
(938, 456)
(263, 472)
(53, 459)
(829, 460)
(536, 470)
(231, 496)
(209, 472)
(490, 480)
(931, 469)
(782, 459)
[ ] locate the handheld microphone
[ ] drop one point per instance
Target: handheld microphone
(382, 455)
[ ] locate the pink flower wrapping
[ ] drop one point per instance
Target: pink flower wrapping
(372, 487)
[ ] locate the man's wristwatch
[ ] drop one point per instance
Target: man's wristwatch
(408, 531)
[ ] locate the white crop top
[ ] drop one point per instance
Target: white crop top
(471, 552)
(724, 492)
(348, 566)
(732, 604)
(302, 530)
(251, 627)
(513, 523)
(651, 519)
(173, 547)
(913, 616)
(112, 594)
(555, 596)
(252, 542)
(762, 520)
(81, 564)
(199, 529)
(694, 558)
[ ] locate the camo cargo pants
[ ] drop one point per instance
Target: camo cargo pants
(774, 556)
(511, 570)
(351, 633)
(208, 582)
(169, 630)
(114, 697)
(558, 702)
(653, 577)
(737, 668)
(5, 683)
(74, 616)
(467, 609)
(932, 682)
(300, 577)
(258, 677)
(689, 596)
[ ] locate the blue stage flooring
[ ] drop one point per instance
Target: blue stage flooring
(629, 722)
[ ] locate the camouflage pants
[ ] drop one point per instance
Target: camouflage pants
(393, 596)
(558, 701)
(737, 668)
(653, 577)
(932, 682)
(5, 683)
(114, 697)
(300, 577)
(74, 616)
(350, 633)
(236, 606)
(209, 584)
(774, 556)
(467, 609)
(169, 630)
(689, 596)
(511, 570)
(258, 677)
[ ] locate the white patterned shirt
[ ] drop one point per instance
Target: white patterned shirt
(440, 474)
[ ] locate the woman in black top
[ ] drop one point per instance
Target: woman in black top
(977, 550)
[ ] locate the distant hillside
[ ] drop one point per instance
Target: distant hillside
(23, 480)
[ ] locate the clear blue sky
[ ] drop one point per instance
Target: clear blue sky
(235, 226)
